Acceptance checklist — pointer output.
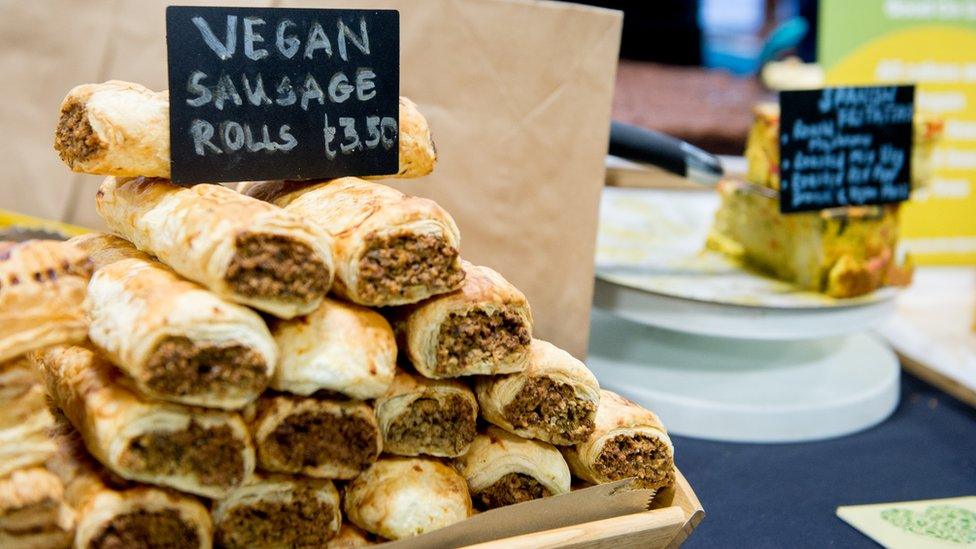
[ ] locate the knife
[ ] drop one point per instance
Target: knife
(666, 152)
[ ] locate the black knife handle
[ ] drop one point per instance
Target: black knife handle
(666, 152)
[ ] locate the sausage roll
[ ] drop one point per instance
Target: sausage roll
(483, 328)
(318, 437)
(242, 249)
(176, 340)
(339, 347)
(278, 511)
(42, 287)
(427, 416)
(33, 513)
(628, 441)
(26, 420)
(504, 469)
(112, 513)
(555, 399)
(204, 452)
(403, 497)
(390, 248)
(121, 128)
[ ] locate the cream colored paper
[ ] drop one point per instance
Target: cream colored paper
(928, 524)
(517, 94)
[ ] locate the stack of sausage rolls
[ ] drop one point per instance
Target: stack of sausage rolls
(293, 364)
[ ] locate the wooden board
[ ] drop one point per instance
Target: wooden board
(661, 528)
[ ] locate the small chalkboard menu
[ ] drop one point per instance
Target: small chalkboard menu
(845, 147)
(271, 93)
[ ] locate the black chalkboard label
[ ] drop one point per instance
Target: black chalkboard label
(845, 147)
(271, 93)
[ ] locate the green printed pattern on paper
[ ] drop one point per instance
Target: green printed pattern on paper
(943, 522)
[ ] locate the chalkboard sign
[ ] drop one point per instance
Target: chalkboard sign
(845, 147)
(269, 93)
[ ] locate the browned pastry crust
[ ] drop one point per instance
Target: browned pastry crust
(483, 328)
(427, 416)
(42, 287)
(628, 441)
(244, 250)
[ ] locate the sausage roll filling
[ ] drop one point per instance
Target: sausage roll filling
(213, 455)
(510, 489)
(180, 366)
(74, 139)
(274, 266)
(429, 425)
(300, 515)
(647, 458)
(318, 438)
(163, 529)
(303, 439)
(394, 265)
(478, 336)
(544, 401)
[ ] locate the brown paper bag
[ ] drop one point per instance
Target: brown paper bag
(518, 95)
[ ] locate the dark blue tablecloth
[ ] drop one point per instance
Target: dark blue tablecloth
(785, 495)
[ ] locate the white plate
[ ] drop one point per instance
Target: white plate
(654, 241)
(747, 391)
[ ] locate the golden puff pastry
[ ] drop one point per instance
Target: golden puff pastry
(33, 513)
(628, 441)
(339, 347)
(26, 421)
(121, 128)
(504, 469)
(484, 328)
(403, 497)
(176, 340)
(390, 248)
(203, 452)
(42, 287)
(555, 399)
(242, 249)
(351, 536)
(113, 513)
(278, 511)
(317, 437)
(418, 415)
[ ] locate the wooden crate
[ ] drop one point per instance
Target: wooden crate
(660, 528)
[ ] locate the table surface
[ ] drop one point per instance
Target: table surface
(787, 494)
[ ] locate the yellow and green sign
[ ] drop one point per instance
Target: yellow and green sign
(931, 43)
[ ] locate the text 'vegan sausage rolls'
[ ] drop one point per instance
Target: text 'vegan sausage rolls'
(390, 248)
(628, 441)
(555, 399)
(504, 469)
(418, 415)
(317, 437)
(403, 497)
(200, 451)
(278, 511)
(121, 128)
(42, 287)
(483, 328)
(111, 515)
(339, 347)
(242, 249)
(176, 340)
